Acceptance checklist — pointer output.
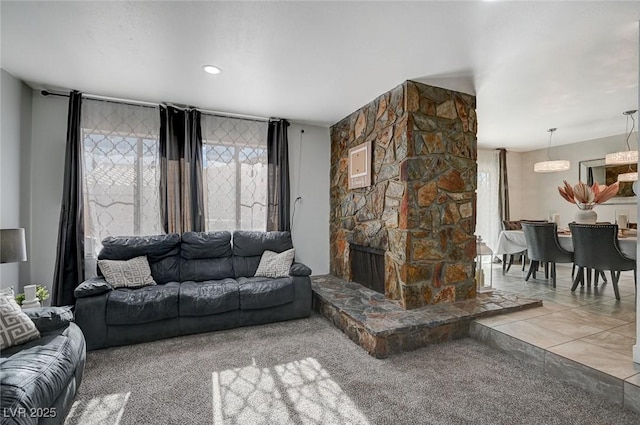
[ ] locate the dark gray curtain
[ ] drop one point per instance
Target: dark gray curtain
(503, 188)
(69, 270)
(278, 191)
(181, 190)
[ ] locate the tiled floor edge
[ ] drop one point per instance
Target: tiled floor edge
(585, 377)
(525, 352)
(632, 393)
(625, 393)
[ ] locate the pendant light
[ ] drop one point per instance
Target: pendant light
(628, 156)
(550, 166)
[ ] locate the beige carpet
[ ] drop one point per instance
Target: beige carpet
(308, 372)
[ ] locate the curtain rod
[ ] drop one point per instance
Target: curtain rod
(154, 105)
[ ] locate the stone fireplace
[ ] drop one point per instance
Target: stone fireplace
(419, 211)
(367, 266)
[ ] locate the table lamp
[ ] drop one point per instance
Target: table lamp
(13, 248)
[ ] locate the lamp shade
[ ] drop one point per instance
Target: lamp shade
(628, 177)
(624, 157)
(551, 166)
(13, 247)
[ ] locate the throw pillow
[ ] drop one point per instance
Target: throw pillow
(7, 292)
(15, 326)
(134, 273)
(273, 264)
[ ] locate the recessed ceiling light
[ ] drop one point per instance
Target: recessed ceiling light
(212, 69)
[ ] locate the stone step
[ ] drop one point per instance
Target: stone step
(383, 328)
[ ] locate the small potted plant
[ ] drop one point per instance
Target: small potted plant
(41, 294)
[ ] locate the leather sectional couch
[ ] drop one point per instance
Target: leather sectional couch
(204, 283)
(39, 379)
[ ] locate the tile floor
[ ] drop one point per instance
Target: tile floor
(589, 326)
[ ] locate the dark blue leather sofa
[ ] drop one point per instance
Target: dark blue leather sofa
(205, 283)
(39, 379)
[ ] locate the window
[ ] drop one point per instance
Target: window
(121, 171)
(234, 173)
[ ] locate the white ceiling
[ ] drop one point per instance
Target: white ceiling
(532, 65)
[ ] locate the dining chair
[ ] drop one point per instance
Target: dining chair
(543, 247)
(596, 246)
(515, 225)
(596, 273)
(506, 265)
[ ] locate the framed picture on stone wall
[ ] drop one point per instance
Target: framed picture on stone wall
(360, 166)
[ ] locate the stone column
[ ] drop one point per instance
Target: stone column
(420, 208)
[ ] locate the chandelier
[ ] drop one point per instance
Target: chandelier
(625, 157)
(551, 166)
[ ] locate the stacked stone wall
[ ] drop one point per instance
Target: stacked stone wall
(420, 208)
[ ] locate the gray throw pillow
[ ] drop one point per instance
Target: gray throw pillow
(134, 273)
(273, 264)
(15, 327)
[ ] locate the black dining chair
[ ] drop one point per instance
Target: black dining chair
(596, 273)
(543, 247)
(507, 262)
(596, 246)
(515, 225)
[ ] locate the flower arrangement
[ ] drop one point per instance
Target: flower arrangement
(41, 294)
(585, 196)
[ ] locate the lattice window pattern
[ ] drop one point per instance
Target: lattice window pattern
(234, 173)
(121, 171)
(483, 179)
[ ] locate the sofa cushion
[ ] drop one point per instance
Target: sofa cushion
(251, 243)
(248, 247)
(141, 305)
(206, 256)
(15, 326)
(209, 297)
(162, 252)
(273, 264)
(264, 292)
(133, 273)
(245, 266)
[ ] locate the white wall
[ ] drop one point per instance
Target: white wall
(539, 192)
(49, 128)
(309, 175)
(15, 113)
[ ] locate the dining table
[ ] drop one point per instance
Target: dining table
(514, 242)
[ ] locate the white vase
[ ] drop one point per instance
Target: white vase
(586, 216)
(30, 293)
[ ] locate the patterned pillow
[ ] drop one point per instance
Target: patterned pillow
(273, 264)
(7, 291)
(15, 326)
(134, 273)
